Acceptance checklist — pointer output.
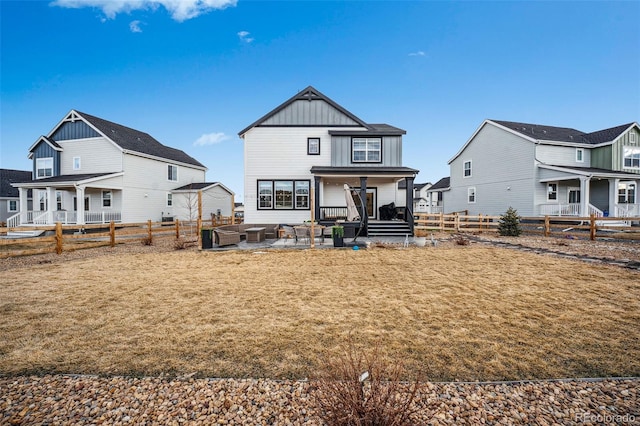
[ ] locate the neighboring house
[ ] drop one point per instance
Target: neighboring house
(421, 197)
(436, 192)
(544, 170)
(9, 196)
(217, 200)
(90, 170)
(311, 142)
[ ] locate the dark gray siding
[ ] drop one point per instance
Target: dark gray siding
(305, 113)
(599, 194)
(74, 130)
(341, 152)
(44, 150)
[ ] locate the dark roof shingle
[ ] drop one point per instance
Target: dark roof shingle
(564, 134)
(9, 176)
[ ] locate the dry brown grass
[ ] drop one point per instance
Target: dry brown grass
(461, 313)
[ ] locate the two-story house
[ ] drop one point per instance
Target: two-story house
(90, 170)
(422, 198)
(544, 170)
(310, 142)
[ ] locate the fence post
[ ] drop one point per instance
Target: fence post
(547, 226)
(592, 227)
(177, 229)
(457, 222)
(442, 221)
(480, 221)
(150, 234)
(58, 237)
(112, 234)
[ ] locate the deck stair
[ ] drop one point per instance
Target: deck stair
(24, 234)
(388, 228)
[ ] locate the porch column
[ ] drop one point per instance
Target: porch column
(80, 205)
(409, 202)
(584, 195)
(363, 198)
(23, 208)
(51, 203)
(613, 197)
(316, 190)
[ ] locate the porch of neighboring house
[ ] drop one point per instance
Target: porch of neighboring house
(582, 196)
(60, 204)
(374, 192)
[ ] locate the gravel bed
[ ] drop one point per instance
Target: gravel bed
(84, 400)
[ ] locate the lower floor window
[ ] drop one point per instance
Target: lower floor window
(283, 194)
(106, 198)
(471, 195)
(626, 193)
(13, 205)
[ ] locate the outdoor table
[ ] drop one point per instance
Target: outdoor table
(255, 235)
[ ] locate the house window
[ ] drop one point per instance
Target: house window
(632, 137)
(366, 150)
(76, 163)
(552, 192)
(12, 206)
(58, 200)
(471, 195)
(579, 155)
(44, 167)
(467, 169)
(42, 200)
(172, 172)
(106, 198)
(313, 146)
(626, 193)
(632, 158)
(169, 199)
(283, 194)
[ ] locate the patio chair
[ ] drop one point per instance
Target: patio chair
(287, 232)
(302, 233)
(318, 232)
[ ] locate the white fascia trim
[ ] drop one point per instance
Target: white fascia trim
(574, 173)
(164, 160)
(96, 179)
(41, 139)
(575, 144)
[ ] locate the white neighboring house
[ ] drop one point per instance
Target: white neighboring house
(422, 198)
(90, 170)
(544, 170)
(436, 194)
(9, 196)
(310, 142)
(217, 200)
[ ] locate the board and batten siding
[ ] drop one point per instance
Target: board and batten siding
(502, 172)
(562, 155)
(391, 152)
(44, 150)
(97, 155)
(270, 153)
(146, 186)
(612, 156)
(309, 113)
(74, 130)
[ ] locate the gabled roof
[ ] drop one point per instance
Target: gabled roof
(46, 140)
(9, 176)
(440, 185)
(309, 94)
(197, 186)
(403, 185)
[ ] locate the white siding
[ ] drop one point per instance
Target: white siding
(97, 155)
(502, 173)
(146, 187)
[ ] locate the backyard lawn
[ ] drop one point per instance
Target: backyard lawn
(465, 313)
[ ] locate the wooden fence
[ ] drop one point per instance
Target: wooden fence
(456, 222)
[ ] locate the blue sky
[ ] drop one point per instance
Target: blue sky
(194, 76)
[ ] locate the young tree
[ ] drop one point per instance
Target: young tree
(509, 225)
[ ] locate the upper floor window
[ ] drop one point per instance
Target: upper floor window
(467, 169)
(313, 146)
(76, 163)
(283, 194)
(632, 158)
(172, 172)
(552, 192)
(12, 206)
(366, 150)
(632, 137)
(106, 198)
(579, 155)
(471, 195)
(44, 167)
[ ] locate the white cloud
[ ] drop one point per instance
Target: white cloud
(244, 36)
(180, 10)
(211, 139)
(418, 53)
(134, 26)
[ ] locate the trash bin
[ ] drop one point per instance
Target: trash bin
(207, 238)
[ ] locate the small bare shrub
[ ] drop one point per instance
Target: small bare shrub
(461, 240)
(180, 244)
(344, 397)
(147, 241)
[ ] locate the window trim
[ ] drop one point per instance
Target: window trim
(471, 192)
(634, 156)
(109, 199)
(309, 140)
(77, 165)
(464, 169)
(38, 168)
(624, 185)
(555, 191)
(58, 200)
(169, 199)
(294, 194)
(366, 150)
(169, 175)
(579, 155)
(9, 209)
(632, 137)
(43, 200)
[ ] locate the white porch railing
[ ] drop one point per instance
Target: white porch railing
(572, 209)
(64, 217)
(627, 210)
(437, 209)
